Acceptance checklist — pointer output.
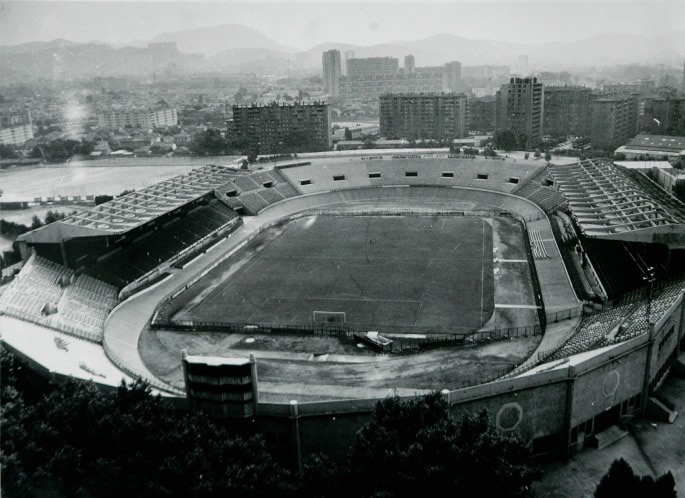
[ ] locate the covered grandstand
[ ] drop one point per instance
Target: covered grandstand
(614, 203)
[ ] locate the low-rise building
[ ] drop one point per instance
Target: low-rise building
(138, 118)
(15, 129)
(654, 147)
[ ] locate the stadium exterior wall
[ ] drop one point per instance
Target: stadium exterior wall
(551, 409)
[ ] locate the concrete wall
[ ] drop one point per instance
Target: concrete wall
(549, 404)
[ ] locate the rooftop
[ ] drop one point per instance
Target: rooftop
(611, 202)
(663, 143)
(137, 208)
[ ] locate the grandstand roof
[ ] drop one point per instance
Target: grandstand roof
(137, 208)
(611, 202)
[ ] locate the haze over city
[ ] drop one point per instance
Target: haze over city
(301, 25)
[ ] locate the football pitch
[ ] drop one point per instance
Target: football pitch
(392, 274)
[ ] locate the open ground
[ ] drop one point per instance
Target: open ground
(391, 274)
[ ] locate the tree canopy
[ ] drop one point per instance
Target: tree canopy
(621, 481)
(81, 441)
(209, 143)
(78, 441)
(505, 140)
(411, 446)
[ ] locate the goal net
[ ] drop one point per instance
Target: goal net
(329, 317)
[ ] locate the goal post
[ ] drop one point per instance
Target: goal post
(329, 317)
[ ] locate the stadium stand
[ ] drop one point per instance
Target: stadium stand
(253, 202)
(270, 195)
(286, 190)
(540, 192)
(670, 202)
(42, 294)
(391, 170)
(38, 287)
(593, 331)
(621, 265)
(662, 300)
(134, 262)
(85, 305)
(609, 201)
(255, 191)
(246, 183)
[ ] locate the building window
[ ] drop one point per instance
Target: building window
(374, 175)
(338, 178)
(482, 176)
(306, 182)
(411, 173)
(447, 174)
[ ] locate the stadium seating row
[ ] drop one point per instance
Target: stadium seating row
(619, 265)
(255, 191)
(622, 322)
(662, 300)
(356, 173)
(133, 262)
(42, 294)
(537, 190)
(594, 331)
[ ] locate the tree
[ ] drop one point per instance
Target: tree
(621, 481)
(548, 157)
(209, 143)
(348, 134)
(409, 445)
(240, 95)
(35, 222)
(101, 199)
(52, 216)
(79, 441)
(505, 140)
(537, 154)
(7, 152)
(488, 152)
(526, 155)
(369, 142)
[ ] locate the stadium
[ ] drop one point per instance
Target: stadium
(549, 294)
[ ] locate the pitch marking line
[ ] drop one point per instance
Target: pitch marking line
(497, 260)
(518, 306)
(365, 299)
(482, 273)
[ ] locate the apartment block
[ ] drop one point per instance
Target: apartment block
(423, 116)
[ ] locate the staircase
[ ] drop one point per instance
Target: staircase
(607, 437)
(659, 411)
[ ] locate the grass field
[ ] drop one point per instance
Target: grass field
(391, 274)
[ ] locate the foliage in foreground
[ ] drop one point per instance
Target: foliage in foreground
(79, 441)
(621, 481)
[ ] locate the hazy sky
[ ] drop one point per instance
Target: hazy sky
(302, 25)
